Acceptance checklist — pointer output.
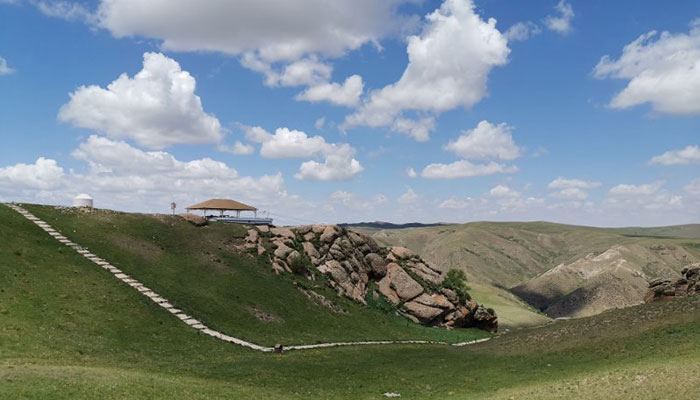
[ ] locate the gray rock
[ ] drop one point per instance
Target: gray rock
(282, 250)
(405, 286)
(384, 287)
(329, 234)
(283, 232)
(376, 264)
(424, 313)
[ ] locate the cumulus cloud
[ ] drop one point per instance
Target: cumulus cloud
(339, 162)
(563, 183)
(419, 129)
(352, 201)
(623, 190)
(274, 30)
(649, 196)
(503, 191)
(121, 176)
(68, 10)
(572, 193)
(486, 141)
(465, 169)
(561, 23)
(4, 68)
(456, 204)
(688, 155)
(156, 108)
(693, 188)
(448, 67)
(411, 173)
(237, 148)
(409, 197)
(43, 174)
(348, 94)
(664, 72)
(522, 31)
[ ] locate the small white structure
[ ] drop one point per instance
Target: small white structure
(82, 200)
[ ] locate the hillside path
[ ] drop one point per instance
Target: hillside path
(189, 320)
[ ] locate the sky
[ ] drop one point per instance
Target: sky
(580, 112)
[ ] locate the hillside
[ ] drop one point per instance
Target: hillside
(562, 270)
(68, 330)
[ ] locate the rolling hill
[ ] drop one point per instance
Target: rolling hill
(69, 330)
(560, 270)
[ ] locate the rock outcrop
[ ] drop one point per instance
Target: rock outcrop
(358, 268)
(687, 285)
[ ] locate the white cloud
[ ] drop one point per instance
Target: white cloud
(522, 31)
(688, 155)
(348, 94)
(624, 190)
(4, 68)
(320, 123)
(67, 10)
(43, 174)
(562, 22)
(335, 167)
(156, 108)
(693, 188)
(419, 129)
(409, 197)
(355, 202)
(237, 148)
(563, 183)
(339, 162)
(108, 156)
(411, 173)
(448, 67)
(465, 169)
(486, 141)
(664, 72)
(456, 204)
(503, 191)
(572, 193)
(274, 30)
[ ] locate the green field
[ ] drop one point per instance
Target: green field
(70, 330)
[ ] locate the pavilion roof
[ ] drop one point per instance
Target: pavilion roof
(221, 204)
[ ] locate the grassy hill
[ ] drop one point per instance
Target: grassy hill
(563, 270)
(70, 330)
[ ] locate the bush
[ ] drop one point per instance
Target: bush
(380, 302)
(456, 280)
(301, 265)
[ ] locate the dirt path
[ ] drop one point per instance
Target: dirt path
(191, 321)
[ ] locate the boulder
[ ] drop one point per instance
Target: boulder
(264, 228)
(303, 230)
(329, 234)
(424, 313)
(310, 250)
(401, 252)
(384, 287)
(318, 228)
(405, 286)
(282, 250)
(376, 264)
(309, 236)
(252, 236)
(292, 256)
(450, 294)
(434, 300)
(283, 232)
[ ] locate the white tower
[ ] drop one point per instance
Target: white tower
(82, 200)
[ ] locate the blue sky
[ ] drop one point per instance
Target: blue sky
(335, 111)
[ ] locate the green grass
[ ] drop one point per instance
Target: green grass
(199, 271)
(69, 330)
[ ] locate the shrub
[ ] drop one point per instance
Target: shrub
(379, 302)
(301, 265)
(456, 280)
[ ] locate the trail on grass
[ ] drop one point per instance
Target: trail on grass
(191, 321)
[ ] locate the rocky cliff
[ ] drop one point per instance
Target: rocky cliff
(687, 285)
(357, 267)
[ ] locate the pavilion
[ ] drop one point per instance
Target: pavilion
(223, 205)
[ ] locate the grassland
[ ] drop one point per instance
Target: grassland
(502, 258)
(69, 330)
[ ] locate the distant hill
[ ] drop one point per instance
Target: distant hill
(387, 225)
(561, 270)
